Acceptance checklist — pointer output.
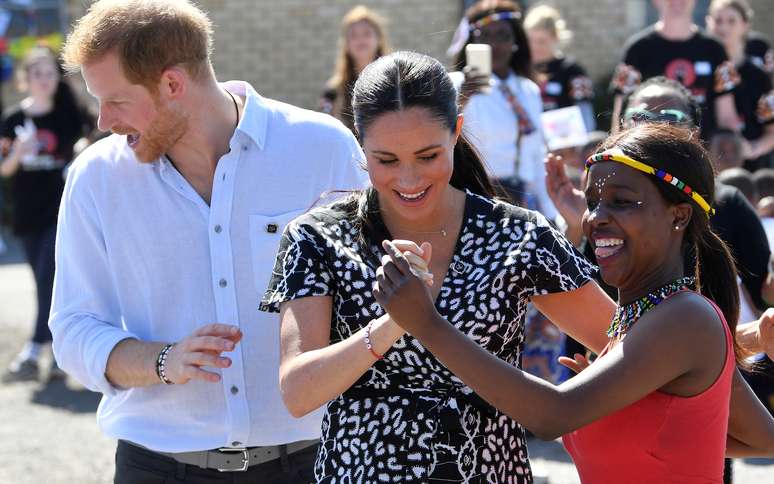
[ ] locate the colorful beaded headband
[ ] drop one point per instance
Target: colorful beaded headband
(617, 155)
(480, 24)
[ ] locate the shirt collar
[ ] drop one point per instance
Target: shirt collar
(255, 116)
(496, 81)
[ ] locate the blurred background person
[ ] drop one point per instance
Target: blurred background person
(38, 139)
(764, 182)
(758, 49)
(675, 47)
(764, 187)
(742, 180)
(729, 21)
(363, 39)
(726, 149)
(502, 115)
(562, 81)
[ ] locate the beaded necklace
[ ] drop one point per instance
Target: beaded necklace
(628, 314)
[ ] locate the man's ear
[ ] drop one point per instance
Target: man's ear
(173, 83)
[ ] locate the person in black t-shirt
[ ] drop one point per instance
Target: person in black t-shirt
(563, 82)
(758, 49)
(675, 47)
(729, 20)
(37, 140)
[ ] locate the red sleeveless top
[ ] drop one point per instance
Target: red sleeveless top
(661, 438)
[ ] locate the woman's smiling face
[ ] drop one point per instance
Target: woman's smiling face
(410, 158)
(628, 223)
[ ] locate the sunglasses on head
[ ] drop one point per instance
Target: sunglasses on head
(634, 116)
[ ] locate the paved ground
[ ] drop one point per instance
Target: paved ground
(48, 433)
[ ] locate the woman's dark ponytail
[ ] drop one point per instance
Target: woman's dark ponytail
(716, 277)
(469, 172)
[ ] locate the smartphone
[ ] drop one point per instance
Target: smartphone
(479, 57)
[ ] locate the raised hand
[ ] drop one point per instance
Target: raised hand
(475, 82)
(202, 349)
(766, 332)
(404, 296)
(570, 201)
(26, 141)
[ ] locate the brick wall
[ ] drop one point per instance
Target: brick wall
(287, 48)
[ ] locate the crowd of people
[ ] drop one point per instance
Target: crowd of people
(446, 281)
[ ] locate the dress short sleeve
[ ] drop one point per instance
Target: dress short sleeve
(301, 269)
(553, 263)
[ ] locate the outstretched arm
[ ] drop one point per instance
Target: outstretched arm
(612, 383)
(750, 426)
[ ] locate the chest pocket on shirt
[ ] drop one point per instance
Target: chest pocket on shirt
(265, 234)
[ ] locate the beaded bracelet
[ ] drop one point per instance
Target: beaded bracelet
(161, 365)
(368, 341)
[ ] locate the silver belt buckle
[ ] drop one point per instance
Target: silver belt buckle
(235, 450)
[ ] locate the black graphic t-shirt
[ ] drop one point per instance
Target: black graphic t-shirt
(37, 186)
(563, 83)
(699, 63)
(758, 50)
(754, 99)
(408, 418)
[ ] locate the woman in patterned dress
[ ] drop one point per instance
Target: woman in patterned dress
(394, 413)
(635, 415)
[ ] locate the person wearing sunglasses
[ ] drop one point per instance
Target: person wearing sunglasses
(637, 115)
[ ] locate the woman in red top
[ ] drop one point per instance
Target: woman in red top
(654, 407)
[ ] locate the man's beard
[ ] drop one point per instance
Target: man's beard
(162, 134)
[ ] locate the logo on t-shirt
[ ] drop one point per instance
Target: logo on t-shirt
(681, 70)
(46, 157)
(47, 141)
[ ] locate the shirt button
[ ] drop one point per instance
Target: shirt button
(234, 390)
(236, 443)
(222, 283)
(245, 147)
(217, 229)
(272, 228)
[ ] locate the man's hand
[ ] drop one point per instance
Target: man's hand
(203, 348)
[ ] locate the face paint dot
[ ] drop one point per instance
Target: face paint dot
(600, 184)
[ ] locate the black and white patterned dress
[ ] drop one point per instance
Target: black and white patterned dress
(408, 419)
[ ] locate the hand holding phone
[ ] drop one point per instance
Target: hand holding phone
(479, 57)
(478, 71)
